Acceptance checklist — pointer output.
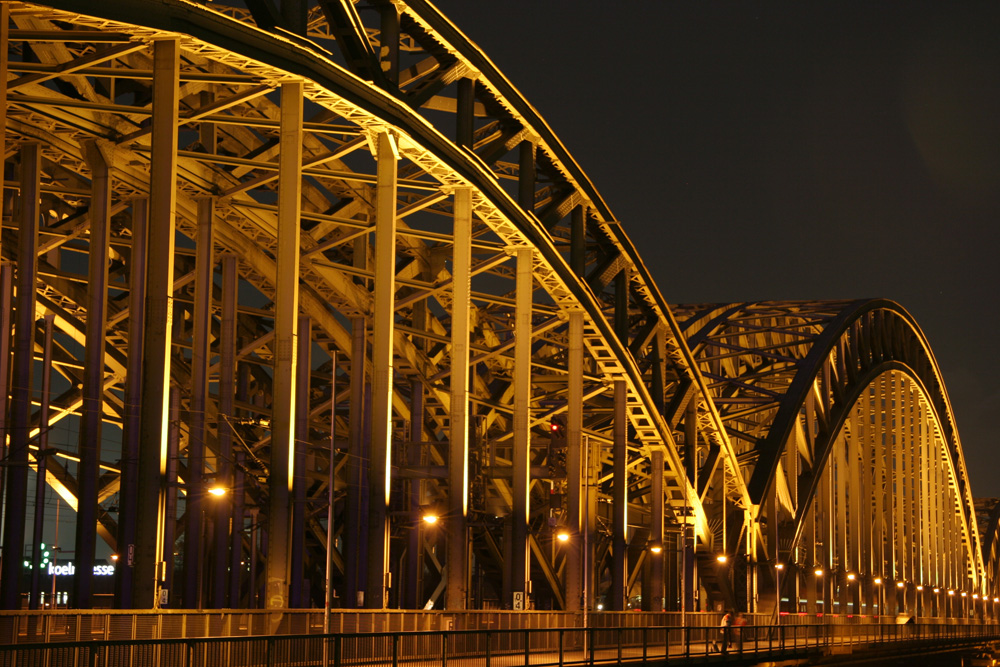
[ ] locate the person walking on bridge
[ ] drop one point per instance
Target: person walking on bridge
(726, 629)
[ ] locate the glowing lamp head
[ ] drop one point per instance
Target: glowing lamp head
(114, 557)
(656, 548)
(937, 590)
(964, 594)
(217, 491)
(878, 581)
(950, 592)
(899, 584)
(920, 588)
(562, 536)
(996, 599)
(851, 577)
(975, 596)
(818, 572)
(431, 519)
(722, 558)
(779, 566)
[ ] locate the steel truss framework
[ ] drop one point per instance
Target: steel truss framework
(325, 255)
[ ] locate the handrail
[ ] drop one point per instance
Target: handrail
(559, 646)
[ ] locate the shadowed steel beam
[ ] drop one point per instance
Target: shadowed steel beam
(519, 571)
(382, 346)
(92, 411)
(574, 463)
(194, 557)
(6, 312)
(227, 394)
(40, 467)
(296, 598)
(158, 325)
(15, 501)
(129, 485)
(170, 495)
(357, 474)
(414, 536)
(4, 58)
(656, 532)
(458, 450)
(619, 501)
(285, 332)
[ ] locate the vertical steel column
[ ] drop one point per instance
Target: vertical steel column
(621, 306)
(458, 450)
(356, 540)
(166, 555)
(6, 314)
(842, 519)
(15, 503)
(129, 482)
(618, 596)
(465, 112)
(194, 552)
(92, 410)
(688, 562)
(228, 528)
(379, 486)
(296, 598)
(4, 46)
(656, 533)
(878, 487)
(158, 326)
(331, 509)
(578, 241)
(520, 572)
(414, 537)
(898, 439)
(526, 176)
(575, 572)
(40, 467)
(927, 528)
(286, 308)
(6, 270)
(389, 42)
(856, 498)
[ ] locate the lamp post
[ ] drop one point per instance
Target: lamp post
(778, 567)
(878, 595)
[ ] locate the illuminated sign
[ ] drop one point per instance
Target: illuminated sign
(69, 569)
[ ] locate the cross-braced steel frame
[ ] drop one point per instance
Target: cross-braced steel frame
(324, 256)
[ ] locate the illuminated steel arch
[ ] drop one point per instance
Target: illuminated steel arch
(850, 448)
(325, 254)
(210, 129)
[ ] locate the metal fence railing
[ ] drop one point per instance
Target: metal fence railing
(495, 648)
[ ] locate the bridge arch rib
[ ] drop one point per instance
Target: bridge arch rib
(851, 453)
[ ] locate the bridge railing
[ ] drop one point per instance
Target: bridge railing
(495, 648)
(113, 625)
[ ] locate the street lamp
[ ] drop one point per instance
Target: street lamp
(562, 536)
(778, 567)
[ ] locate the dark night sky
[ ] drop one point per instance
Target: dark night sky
(789, 151)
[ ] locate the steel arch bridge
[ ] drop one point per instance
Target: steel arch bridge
(324, 255)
